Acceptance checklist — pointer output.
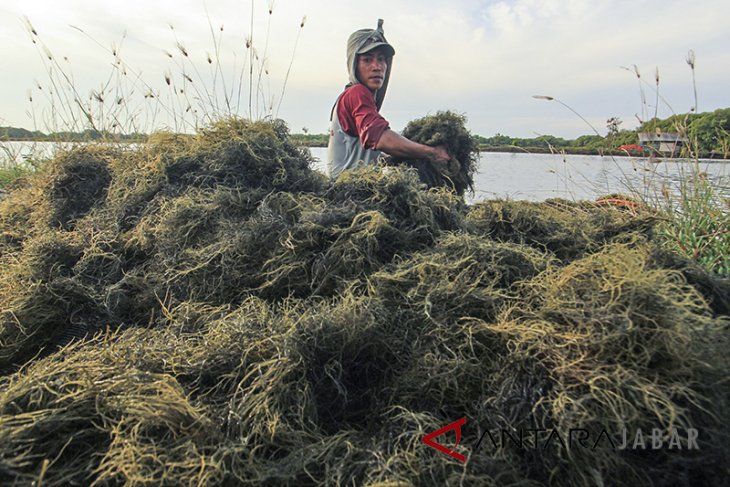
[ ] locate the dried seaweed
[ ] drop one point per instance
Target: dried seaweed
(221, 315)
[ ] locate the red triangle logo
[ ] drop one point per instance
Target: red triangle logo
(456, 426)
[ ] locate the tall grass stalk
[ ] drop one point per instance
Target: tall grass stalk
(642, 96)
(691, 63)
(126, 101)
(291, 63)
(264, 62)
(655, 87)
(250, 74)
(695, 209)
(656, 101)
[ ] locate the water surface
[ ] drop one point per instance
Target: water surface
(533, 177)
(537, 177)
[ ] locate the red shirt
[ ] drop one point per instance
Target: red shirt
(359, 116)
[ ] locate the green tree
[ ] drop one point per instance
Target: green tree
(710, 130)
(612, 125)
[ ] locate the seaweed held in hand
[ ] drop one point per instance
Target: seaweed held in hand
(447, 129)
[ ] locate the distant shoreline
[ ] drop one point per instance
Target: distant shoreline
(297, 140)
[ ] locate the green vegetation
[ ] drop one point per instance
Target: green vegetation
(696, 222)
(207, 310)
(310, 140)
(12, 173)
(708, 133)
(586, 144)
(13, 133)
(10, 169)
(20, 134)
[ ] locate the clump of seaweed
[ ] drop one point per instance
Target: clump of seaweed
(449, 130)
(566, 229)
(79, 181)
(225, 316)
(716, 291)
(628, 347)
(93, 416)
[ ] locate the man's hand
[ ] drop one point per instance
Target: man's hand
(439, 155)
(396, 145)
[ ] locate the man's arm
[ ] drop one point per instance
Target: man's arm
(396, 145)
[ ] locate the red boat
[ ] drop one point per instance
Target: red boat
(633, 149)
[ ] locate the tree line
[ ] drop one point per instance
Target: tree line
(21, 134)
(708, 134)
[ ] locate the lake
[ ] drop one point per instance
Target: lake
(537, 177)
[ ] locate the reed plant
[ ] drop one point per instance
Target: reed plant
(695, 209)
(10, 173)
(195, 88)
(694, 213)
(15, 164)
(696, 220)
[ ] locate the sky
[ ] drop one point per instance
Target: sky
(485, 59)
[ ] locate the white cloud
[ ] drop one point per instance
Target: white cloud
(483, 58)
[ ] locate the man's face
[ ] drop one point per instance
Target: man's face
(371, 68)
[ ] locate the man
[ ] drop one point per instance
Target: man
(359, 134)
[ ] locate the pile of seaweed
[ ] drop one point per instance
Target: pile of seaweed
(447, 129)
(207, 310)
